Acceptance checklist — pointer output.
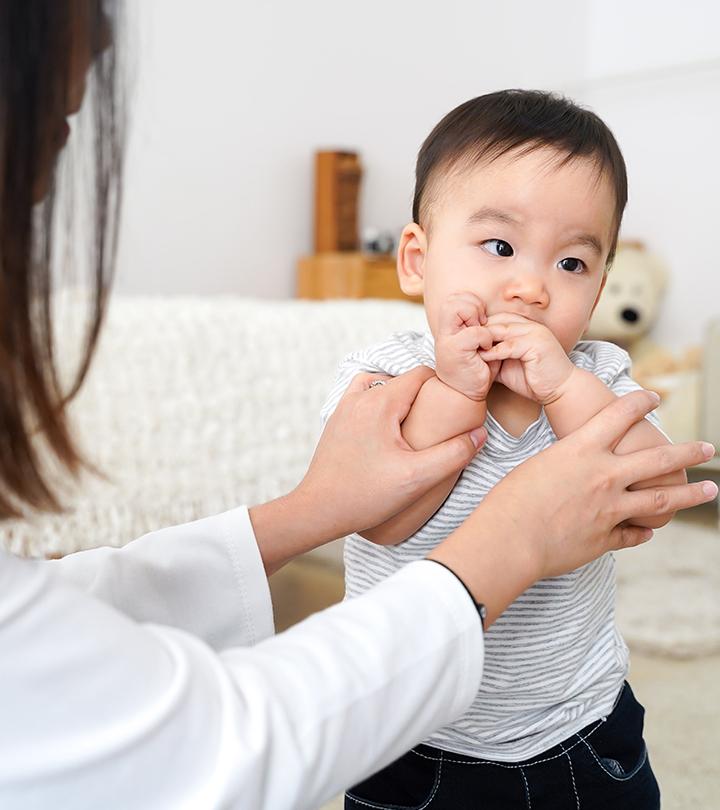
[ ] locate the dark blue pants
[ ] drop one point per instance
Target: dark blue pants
(604, 766)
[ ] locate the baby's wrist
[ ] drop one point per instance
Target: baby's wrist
(568, 385)
(448, 382)
(454, 393)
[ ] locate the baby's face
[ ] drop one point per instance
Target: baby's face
(525, 234)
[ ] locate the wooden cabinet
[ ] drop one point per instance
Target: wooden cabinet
(349, 275)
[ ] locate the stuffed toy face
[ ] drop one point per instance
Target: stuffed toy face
(630, 302)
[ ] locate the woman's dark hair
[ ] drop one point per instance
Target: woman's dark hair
(42, 213)
(492, 125)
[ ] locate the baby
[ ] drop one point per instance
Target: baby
(518, 202)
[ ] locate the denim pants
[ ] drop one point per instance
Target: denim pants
(604, 766)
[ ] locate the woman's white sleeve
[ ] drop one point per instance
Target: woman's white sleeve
(99, 710)
(204, 577)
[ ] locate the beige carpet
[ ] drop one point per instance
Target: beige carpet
(668, 592)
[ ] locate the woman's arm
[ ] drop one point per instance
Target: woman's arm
(205, 578)
(101, 711)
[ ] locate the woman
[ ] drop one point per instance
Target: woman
(147, 676)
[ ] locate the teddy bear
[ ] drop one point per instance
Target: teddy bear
(628, 308)
(625, 314)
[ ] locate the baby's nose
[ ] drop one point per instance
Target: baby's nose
(528, 287)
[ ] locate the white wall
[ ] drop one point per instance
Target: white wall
(653, 74)
(233, 98)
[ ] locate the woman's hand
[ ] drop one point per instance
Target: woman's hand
(566, 506)
(363, 471)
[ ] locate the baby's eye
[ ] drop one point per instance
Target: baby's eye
(572, 265)
(498, 247)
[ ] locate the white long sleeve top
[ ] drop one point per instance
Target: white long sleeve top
(148, 676)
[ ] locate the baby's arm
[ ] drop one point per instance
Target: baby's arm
(582, 396)
(438, 413)
(451, 403)
(536, 366)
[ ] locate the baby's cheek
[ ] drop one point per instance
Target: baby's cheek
(569, 330)
(432, 313)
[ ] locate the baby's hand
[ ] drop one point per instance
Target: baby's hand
(534, 364)
(461, 335)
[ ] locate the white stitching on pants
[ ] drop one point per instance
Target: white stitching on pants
(605, 770)
(443, 758)
(572, 776)
(527, 789)
(390, 806)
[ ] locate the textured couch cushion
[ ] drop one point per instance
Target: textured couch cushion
(197, 405)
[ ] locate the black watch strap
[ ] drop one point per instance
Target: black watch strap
(481, 609)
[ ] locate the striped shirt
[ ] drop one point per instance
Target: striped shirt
(554, 661)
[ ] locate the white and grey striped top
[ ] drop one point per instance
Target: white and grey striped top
(554, 661)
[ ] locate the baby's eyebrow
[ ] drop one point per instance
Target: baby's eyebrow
(589, 241)
(486, 214)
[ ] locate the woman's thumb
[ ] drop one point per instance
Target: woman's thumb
(452, 455)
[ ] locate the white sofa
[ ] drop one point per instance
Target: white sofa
(195, 405)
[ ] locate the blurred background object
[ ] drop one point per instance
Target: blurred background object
(340, 266)
(337, 189)
(687, 381)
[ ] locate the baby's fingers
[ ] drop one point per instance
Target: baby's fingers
(512, 349)
(501, 331)
(501, 318)
(472, 338)
(461, 310)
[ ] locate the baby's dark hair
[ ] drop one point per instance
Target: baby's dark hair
(492, 125)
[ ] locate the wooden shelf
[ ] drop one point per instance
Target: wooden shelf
(349, 275)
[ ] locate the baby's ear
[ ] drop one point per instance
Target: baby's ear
(411, 259)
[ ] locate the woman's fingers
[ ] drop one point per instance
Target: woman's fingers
(610, 425)
(361, 382)
(643, 465)
(662, 500)
(628, 537)
(435, 464)
(400, 392)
